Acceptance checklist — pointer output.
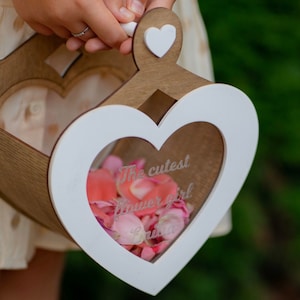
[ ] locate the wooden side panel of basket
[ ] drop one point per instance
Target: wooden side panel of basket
(23, 169)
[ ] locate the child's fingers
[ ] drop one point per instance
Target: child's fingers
(160, 3)
(138, 7)
(82, 32)
(42, 29)
(103, 23)
(94, 45)
(74, 44)
(126, 46)
(120, 12)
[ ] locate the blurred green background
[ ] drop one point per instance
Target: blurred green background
(256, 47)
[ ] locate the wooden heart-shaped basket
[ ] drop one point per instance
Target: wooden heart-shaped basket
(190, 131)
(157, 83)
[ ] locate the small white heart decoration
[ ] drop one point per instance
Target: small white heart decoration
(226, 107)
(159, 41)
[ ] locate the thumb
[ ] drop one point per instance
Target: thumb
(121, 13)
(160, 3)
(137, 6)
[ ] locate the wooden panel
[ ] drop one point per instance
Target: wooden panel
(201, 141)
(23, 180)
(23, 169)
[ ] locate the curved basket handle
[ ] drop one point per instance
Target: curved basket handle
(156, 73)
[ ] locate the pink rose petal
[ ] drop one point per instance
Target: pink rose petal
(128, 230)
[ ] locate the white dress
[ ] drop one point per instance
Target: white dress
(27, 115)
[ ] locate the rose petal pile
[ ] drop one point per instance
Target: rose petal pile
(143, 214)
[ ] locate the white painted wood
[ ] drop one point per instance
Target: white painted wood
(160, 41)
(224, 106)
(129, 28)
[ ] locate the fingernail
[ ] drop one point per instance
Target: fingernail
(126, 13)
(137, 7)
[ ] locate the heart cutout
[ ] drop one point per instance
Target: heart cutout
(144, 198)
(160, 41)
(227, 108)
(45, 110)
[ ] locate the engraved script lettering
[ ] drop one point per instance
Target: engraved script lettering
(131, 173)
(125, 207)
(157, 232)
(156, 204)
(170, 166)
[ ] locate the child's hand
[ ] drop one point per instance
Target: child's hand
(100, 18)
(137, 7)
(97, 20)
(140, 6)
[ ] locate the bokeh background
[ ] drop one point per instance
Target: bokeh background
(256, 47)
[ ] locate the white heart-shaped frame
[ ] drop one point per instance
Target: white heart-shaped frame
(160, 41)
(226, 107)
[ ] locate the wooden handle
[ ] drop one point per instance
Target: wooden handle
(156, 73)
